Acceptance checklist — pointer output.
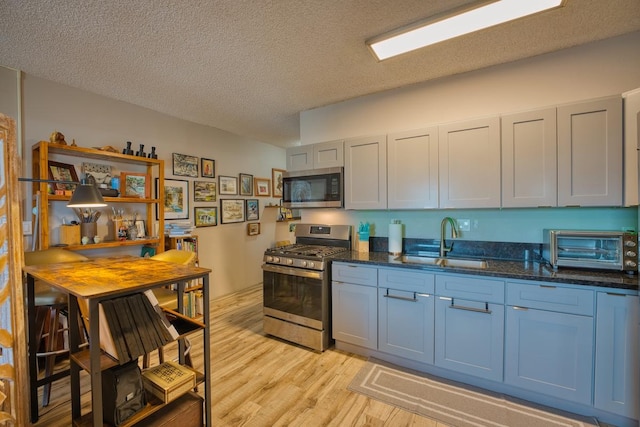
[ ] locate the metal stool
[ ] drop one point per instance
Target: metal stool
(49, 303)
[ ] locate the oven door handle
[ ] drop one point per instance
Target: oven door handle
(299, 272)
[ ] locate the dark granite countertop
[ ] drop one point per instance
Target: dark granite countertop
(509, 269)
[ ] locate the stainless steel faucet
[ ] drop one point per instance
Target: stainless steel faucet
(454, 234)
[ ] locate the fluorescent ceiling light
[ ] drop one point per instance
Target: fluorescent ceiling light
(458, 24)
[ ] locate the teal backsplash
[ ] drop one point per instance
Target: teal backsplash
(493, 225)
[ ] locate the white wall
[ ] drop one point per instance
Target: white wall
(599, 69)
(96, 121)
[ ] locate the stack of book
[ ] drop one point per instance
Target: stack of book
(132, 326)
(168, 380)
(178, 228)
(193, 303)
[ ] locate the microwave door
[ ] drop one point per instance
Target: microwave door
(302, 191)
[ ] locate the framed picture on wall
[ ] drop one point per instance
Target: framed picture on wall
(204, 191)
(253, 229)
(231, 210)
(276, 182)
(246, 184)
(205, 216)
(253, 210)
(176, 198)
(262, 186)
(184, 165)
(227, 185)
(207, 168)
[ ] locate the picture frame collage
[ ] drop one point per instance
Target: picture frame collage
(208, 188)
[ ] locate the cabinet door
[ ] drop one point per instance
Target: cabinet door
(469, 337)
(469, 164)
(617, 368)
(529, 173)
(405, 324)
(328, 154)
(355, 314)
(413, 169)
(365, 173)
(631, 110)
(590, 153)
(549, 353)
(300, 158)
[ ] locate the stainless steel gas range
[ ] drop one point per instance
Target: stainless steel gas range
(297, 285)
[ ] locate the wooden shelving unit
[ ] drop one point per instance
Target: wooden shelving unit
(184, 325)
(187, 243)
(42, 153)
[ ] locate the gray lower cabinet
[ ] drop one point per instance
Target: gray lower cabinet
(469, 325)
(405, 314)
(617, 364)
(354, 297)
(549, 340)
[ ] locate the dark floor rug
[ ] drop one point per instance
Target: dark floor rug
(453, 403)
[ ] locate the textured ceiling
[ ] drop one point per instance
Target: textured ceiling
(250, 66)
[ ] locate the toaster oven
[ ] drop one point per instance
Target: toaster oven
(606, 250)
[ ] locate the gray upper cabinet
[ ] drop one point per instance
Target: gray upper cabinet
(365, 173)
(316, 156)
(469, 164)
(631, 143)
(590, 153)
(413, 169)
(529, 177)
(300, 158)
(328, 154)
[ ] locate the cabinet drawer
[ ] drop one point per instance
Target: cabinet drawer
(353, 273)
(471, 288)
(549, 297)
(404, 280)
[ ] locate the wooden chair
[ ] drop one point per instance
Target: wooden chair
(49, 303)
(167, 298)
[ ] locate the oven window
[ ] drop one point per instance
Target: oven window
(301, 296)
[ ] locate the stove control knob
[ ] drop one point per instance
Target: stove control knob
(630, 243)
(312, 264)
(630, 254)
(303, 263)
(276, 259)
(289, 261)
(269, 258)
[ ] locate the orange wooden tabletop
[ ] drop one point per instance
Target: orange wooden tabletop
(101, 277)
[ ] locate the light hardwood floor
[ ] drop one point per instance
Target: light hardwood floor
(262, 381)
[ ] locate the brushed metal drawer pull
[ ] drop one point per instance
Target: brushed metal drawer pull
(414, 299)
(616, 295)
(484, 310)
(515, 307)
(548, 286)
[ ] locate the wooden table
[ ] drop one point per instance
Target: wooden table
(104, 278)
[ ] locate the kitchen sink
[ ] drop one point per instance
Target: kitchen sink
(443, 262)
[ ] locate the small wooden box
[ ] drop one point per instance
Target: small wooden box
(168, 381)
(70, 234)
(185, 411)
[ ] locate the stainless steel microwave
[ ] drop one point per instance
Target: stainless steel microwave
(606, 250)
(316, 188)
